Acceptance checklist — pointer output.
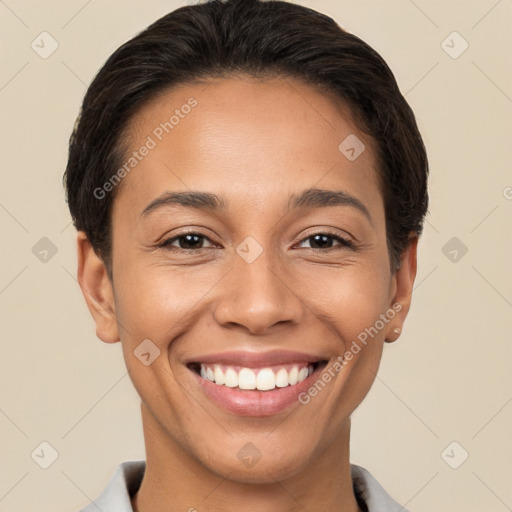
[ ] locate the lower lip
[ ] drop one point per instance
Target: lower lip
(253, 402)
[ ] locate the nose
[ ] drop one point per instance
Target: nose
(257, 296)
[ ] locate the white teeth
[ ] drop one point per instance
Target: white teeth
(264, 379)
(209, 374)
(282, 378)
(303, 373)
(230, 378)
(246, 379)
(292, 376)
(217, 373)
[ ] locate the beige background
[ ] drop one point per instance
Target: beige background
(447, 379)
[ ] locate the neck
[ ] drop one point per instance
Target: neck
(175, 480)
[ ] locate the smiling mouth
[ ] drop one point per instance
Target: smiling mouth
(262, 379)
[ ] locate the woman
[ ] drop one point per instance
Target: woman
(248, 185)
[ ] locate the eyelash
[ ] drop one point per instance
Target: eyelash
(344, 243)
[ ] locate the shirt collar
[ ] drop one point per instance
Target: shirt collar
(371, 494)
(127, 478)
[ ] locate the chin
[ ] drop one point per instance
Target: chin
(274, 465)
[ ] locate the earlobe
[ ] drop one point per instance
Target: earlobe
(97, 290)
(403, 282)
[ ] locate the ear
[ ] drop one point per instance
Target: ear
(97, 290)
(402, 285)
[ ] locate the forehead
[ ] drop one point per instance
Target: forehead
(249, 140)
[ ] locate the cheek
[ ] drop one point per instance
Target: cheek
(156, 302)
(349, 298)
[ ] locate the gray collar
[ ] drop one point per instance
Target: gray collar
(126, 480)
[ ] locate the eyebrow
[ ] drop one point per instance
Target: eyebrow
(309, 198)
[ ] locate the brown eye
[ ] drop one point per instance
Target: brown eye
(186, 241)
(324, 241)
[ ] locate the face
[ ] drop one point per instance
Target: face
(264, 275)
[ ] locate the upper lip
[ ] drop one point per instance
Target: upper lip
(257, 359)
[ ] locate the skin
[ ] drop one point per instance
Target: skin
(253, 143)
